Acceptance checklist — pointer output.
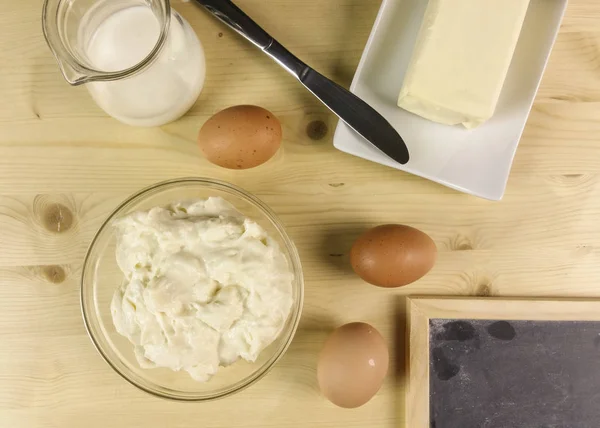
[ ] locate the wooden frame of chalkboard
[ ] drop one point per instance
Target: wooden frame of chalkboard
(420, 310)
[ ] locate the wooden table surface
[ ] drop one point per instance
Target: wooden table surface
(64, 165)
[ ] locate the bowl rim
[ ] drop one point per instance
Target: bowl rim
(296, 266)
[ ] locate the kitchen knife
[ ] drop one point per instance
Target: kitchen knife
(351, 109)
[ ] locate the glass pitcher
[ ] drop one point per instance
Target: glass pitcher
(140, 60)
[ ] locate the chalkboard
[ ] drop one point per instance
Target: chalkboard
(514, 374)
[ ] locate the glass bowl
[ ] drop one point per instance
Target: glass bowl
(101, 277)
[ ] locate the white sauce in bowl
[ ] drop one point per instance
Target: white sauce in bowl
(204, 286)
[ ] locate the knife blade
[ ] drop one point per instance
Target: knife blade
(355, 112)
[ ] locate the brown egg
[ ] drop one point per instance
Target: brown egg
(240, 137)
(352, 365)
(392, 255)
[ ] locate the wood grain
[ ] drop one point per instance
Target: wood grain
(64, 166)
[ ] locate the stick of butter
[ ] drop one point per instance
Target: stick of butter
(461, 59)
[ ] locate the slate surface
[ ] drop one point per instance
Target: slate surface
(514, 374)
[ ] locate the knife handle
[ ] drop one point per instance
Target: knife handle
(227, 12)
(233, 16)
(287, 60)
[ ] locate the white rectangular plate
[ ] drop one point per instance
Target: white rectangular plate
(474, 161)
